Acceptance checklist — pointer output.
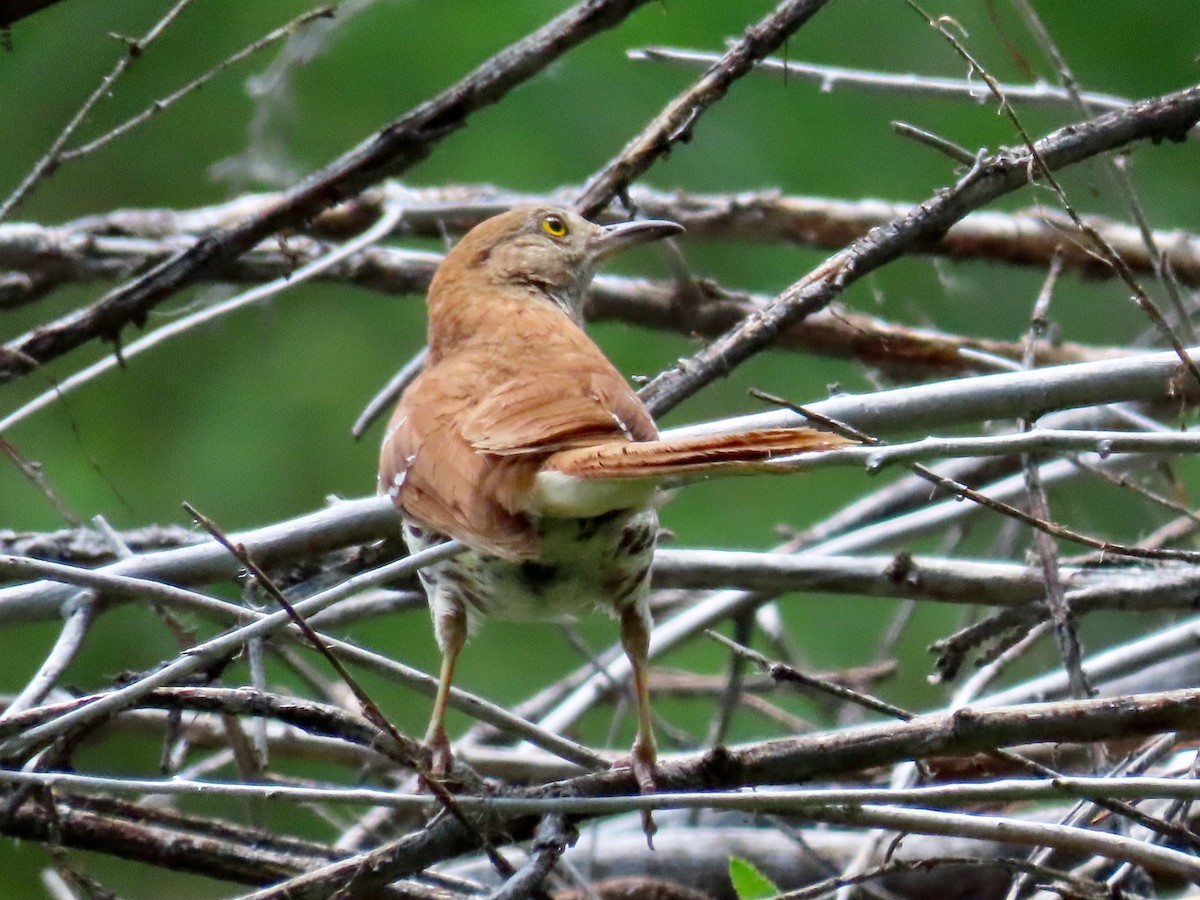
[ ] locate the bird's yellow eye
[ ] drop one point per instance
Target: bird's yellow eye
(554, 226)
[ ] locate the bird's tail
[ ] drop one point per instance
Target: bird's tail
(704, 455)
(588, 481)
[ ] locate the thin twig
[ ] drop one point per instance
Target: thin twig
(832, 77)
(960, 155)
(133, 51)
(781, 672)
(79, 615)
(1066, 633)
(734, 683)
(389, 152)
(36, 476)
(1115, 167)
(158, 106)
(392, 213)
(388, 394)
(1041, 169)
(370, 708)
(678, 119)
(1167, 116)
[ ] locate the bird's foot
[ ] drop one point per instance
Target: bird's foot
(643, 760)
(441, 757)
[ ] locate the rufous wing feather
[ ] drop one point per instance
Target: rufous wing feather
(437, 478)
(548, 411)
(462, 452)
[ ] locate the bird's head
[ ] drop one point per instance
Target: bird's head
(551, 249)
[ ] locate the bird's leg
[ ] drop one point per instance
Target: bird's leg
(635, 638)
(450, 628)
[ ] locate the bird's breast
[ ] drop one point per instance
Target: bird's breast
(602, 562)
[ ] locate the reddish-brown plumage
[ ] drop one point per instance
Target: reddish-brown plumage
(511, 378)
(522, 441)
(748, 451)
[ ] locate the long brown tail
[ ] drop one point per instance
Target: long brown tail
(708, 454)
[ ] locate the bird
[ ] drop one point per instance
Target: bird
(522, 441)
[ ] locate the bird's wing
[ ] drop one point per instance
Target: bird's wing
(461, 455)
(538, 412)
(440, 481)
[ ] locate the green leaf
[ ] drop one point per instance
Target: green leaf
(748, 882)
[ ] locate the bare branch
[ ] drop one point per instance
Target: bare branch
(393, 149)
(813, 757)
(51, 157)
(678, 119)
(1166, 117)
(158, 106)
(113, 244)
(830, 78)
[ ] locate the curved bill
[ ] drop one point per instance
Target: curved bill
(612, 239)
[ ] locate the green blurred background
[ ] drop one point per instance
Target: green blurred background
(249, 418)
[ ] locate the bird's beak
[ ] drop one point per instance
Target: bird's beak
(613, 239)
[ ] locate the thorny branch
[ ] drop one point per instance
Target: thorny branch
(393, 149)
(781, 762)
(675, 124)
(1099, 415)
(1168, 117)
(39, 259)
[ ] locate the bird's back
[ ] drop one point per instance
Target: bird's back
(467, 439)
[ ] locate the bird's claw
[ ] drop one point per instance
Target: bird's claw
(441, 757)
(643, 761)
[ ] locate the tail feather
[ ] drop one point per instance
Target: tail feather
(708, 454)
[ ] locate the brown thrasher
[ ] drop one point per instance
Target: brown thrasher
(521, 440)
